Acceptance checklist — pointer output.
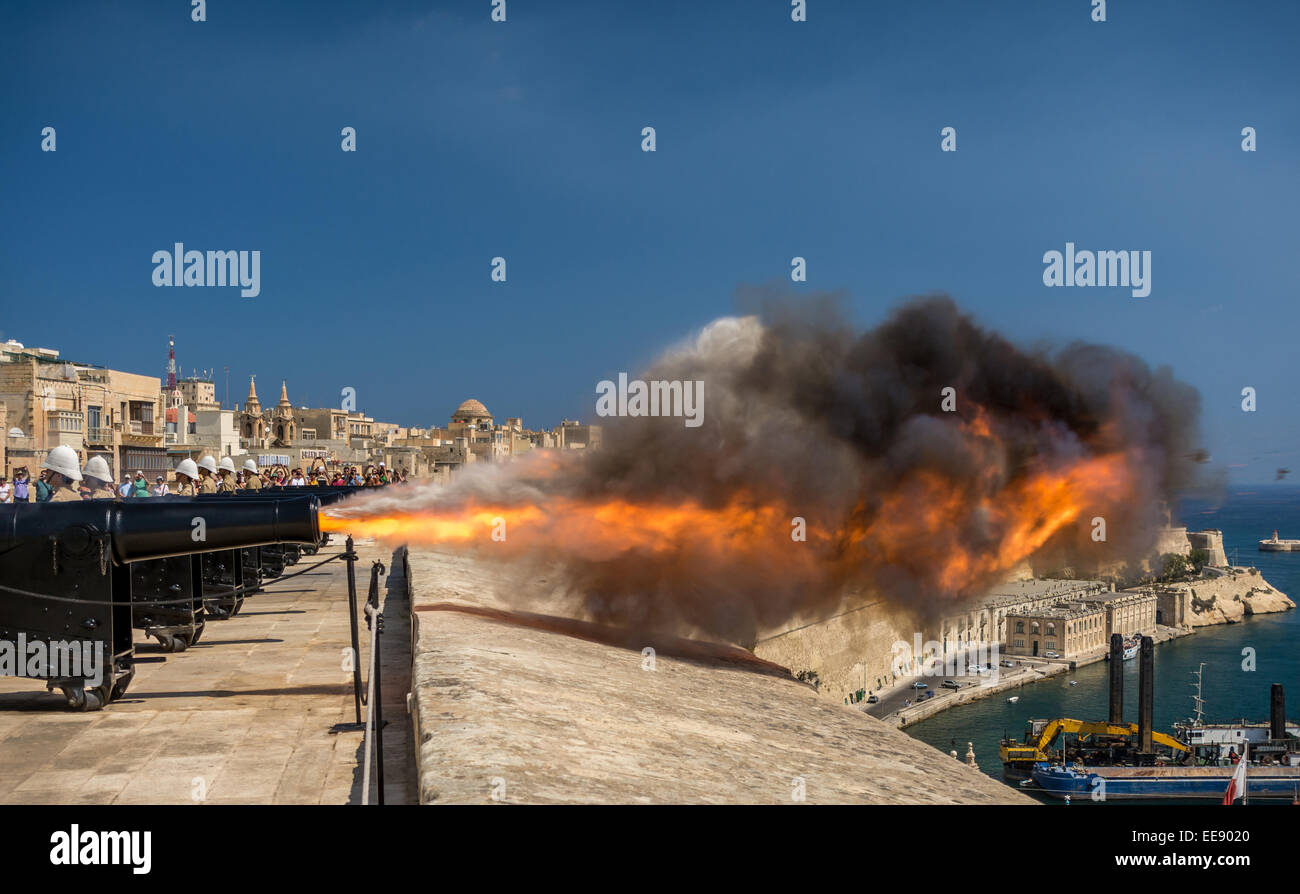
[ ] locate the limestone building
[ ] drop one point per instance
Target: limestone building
(1066, 631)
(198, 393)
(1127, 612)
(49, 402)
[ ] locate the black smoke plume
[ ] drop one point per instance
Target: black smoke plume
(846, 429)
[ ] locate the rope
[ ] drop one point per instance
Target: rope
(185, 601)
(370, 705)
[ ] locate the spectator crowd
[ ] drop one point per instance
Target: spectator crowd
(61, 480)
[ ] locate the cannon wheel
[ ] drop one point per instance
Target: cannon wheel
(172, 642)
(216, 611)
(82, 699)
(119, 688)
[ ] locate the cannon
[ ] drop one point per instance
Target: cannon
(167, 601)
(222, 573)
(66, 576)
(229, 576)
(275, 559)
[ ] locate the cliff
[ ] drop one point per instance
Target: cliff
(1230, 597)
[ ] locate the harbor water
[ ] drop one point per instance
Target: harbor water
(1241, 660)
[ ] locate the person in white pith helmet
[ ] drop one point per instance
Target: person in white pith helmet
(97, 480)
(187, 478)
(207, 475)
(252, 480)
(226, 475)
(63, 472)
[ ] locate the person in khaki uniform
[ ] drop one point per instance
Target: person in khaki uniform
(187, 475)
(64, 473)
(207, 475)
(226, 475)
(252, 480)
(99, 480)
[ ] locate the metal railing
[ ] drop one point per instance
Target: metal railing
(372, 698)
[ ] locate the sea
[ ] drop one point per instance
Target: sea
(1240, 661)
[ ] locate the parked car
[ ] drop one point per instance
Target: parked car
(873, 699)
(1050, 654)
(951, 684)
(919, 685)
(1007, 662)
(925, 695)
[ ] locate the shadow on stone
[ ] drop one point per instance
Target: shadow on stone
(698, 652)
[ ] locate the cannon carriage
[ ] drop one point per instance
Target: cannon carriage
(68, 576)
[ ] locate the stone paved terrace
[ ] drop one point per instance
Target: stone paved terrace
(248, 709)
(528, 706)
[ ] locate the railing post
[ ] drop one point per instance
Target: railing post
(378, 708)
(351, 558)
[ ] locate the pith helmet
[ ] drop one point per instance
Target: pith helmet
(97, 468)
(63, 459)
(208, 463)
(250, 466)
(227, 464)
(188, 469)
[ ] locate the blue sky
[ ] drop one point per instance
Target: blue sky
(522, 140)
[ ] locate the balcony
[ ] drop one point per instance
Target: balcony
(64, 421)
(99, 435)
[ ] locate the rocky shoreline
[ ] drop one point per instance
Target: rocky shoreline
(1228, 597)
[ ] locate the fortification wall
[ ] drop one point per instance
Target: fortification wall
(1212, 543)
(843, 654)
(517, 707)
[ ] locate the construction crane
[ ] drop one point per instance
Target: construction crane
(1031, 752)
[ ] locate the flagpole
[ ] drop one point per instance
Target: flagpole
(1245, 780)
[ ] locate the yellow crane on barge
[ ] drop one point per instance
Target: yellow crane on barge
(1018, 758)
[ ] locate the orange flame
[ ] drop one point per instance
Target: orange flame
(920, 524)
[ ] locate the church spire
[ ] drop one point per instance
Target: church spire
(252, 405)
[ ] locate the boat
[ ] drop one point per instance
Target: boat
(1013, 699)
(1195, 763)
(1131, 647)
(1160, 782)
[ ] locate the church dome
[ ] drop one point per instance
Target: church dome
(471, 409)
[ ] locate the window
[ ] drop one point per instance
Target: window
(1020, 627)
(1020, 644)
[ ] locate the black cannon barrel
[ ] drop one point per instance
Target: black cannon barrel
(327, 495)
(159, 528)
